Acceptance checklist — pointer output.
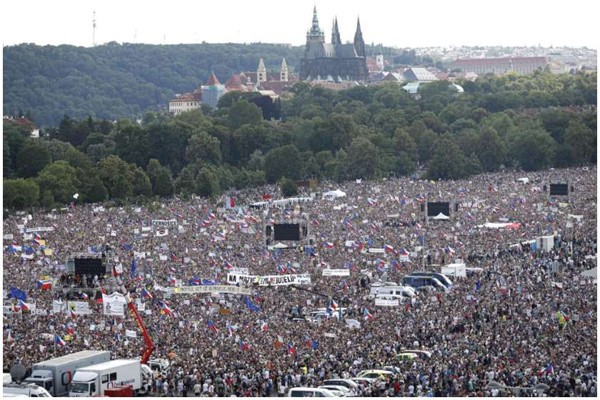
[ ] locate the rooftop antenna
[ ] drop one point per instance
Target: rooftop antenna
(94, 30)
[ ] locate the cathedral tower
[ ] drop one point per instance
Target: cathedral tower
(359, 43)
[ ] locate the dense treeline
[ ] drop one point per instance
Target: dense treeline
(527, 122)
(113, 81)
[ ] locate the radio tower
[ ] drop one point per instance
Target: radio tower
(94, 30)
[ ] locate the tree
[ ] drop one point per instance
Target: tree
(448, 161)
(532, 146)
(283, 161)
(185, 183)
(153, 169)
(32, 158)
(581, 143)
(92, 189)
(164, 183)
(362, 159)
(204, 148)
(140, 182)
(61, 180)
(491, 150)
(242, 112)
(20, 193)
(208, 182)
(288, 187)
(116, 176)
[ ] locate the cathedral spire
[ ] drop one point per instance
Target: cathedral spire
(315, 32)
(359, 43)
(335, 33)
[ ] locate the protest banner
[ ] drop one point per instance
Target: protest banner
(269, 280)
(387, 303)
(79, 307)
(210, 289)
(336, 272)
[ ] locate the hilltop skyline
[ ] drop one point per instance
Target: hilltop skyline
(393, 24)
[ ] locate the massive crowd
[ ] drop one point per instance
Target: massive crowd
(528, 317)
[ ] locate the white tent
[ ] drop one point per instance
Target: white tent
(523, 180)
(334, 194)
(441, 216)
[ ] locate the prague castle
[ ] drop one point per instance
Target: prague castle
(334, 61)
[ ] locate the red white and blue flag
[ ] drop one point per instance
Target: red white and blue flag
(59, 341)
(212, 326)
(368, 315)
(44, 284)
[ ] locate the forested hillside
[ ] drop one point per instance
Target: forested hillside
(114, 81)
(523, 122)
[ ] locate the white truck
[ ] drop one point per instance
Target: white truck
(95, 379)
(55, 374)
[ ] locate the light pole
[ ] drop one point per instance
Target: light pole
(539, 388)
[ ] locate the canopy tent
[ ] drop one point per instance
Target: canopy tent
(441, 216)
(523, 180)
(334, 194)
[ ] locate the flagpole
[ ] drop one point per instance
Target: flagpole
(54, 339)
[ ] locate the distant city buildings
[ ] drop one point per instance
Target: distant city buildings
(339, 66)
(499, 66)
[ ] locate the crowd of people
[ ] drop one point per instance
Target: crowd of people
(527, 317)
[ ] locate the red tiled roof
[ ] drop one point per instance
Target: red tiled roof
(212, 80)
(234, 83)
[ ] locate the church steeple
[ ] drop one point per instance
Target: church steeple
(261, 72)
(335, 33)
(359, 43)
(315, 32)
(284, 73)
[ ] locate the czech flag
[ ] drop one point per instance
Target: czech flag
(228, 265)
(24, 306)
(165, 309)
(329, 245)
(291, 349)
(59, 341)
(368, 315)
(404, 252)
(278, 342)
(44, 284)
(388, 248)
(212, 327)
(146, 294)
(194, 281)
(244, 345)
(264, 326)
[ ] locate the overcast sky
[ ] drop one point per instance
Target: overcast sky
(395, 23)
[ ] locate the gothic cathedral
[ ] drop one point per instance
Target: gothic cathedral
(337, 61)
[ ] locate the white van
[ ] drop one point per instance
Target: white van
(29, 390)
(310, 392)
(404, 292)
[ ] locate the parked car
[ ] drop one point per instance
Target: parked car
(375, 373)
(310, 392)
(339, 391)
(347, 383)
